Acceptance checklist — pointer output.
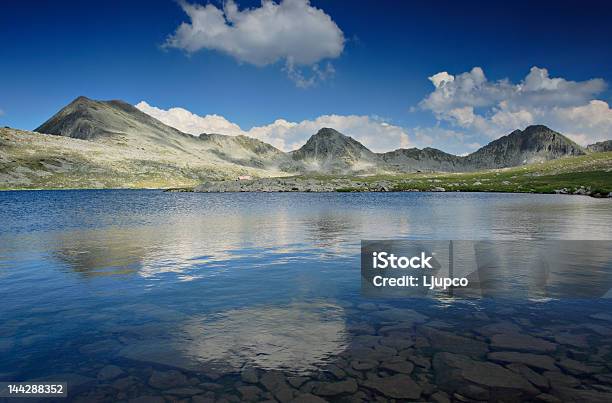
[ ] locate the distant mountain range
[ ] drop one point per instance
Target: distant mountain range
(115, 138)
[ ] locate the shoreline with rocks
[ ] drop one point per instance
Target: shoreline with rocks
(296, 184)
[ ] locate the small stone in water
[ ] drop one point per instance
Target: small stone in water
(110, 372)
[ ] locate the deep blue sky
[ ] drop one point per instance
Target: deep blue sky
(53, 51)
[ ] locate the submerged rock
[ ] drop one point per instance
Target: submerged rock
(453, 371)
(581, 395)
(532, 360)
(602, 316)
(497, 328)
(276, 383)
(308, 398)
(364, 365)
(110, 372)
(249, 375)
(557, 379)
(250, 392)
(167, 379)
(577, 368)
(395, 387)
(447, 341)
(184, 392)
(335, 388)
(529, 374)
(402, 367)
(148, 399)
(521, 342)
(575, 340)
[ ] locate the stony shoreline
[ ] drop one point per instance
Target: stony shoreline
(297, 184)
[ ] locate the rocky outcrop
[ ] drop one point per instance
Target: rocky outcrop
(601, 146)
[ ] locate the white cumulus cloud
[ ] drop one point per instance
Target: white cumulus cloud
(374, 132)
(588, 123)
(191, 123)
(291, 31)
(472, 102)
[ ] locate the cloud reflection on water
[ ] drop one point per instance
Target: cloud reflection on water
(297, 337)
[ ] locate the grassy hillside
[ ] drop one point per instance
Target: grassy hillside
(592, 171)
(30, 160)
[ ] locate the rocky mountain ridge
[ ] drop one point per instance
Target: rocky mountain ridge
(332, 152)
(113, 144)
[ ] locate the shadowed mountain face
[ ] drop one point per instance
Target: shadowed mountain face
(425, 160)
(117, 123)
(534, 144)
(87, 119)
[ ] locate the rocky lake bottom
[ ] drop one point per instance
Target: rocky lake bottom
(143, 296)
(380, 352)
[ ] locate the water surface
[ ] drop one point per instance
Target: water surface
(215, 283)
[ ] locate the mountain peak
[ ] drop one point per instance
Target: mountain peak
(81, 98)
(333, 151)
(89, 119)
(328, 131)
(537, 143)
(531, 128)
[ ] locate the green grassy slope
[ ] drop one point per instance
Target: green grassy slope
(592, 171)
